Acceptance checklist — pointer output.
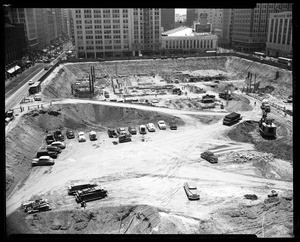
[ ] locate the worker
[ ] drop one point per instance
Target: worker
(83, 204)
(254, 103)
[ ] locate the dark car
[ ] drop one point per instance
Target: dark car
(173, 126)
(49, 139)
(209, 156)
(58, 136)
(70, 134)
(121, 130)
(53, 148)
(52, 154)
(112, 133)
(132, 130)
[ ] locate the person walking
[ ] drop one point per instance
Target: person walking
(254, 103)
(83, 204)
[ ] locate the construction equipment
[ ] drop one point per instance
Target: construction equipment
(225, 95)
(9, 116)
(265, 106)
(90, 194)
(35, 206)
(266, 125)
(208, 98)
(232, 118)
(73, 189)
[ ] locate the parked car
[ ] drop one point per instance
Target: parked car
(59, 144)
(191, 191)
(53, 148)
(58, 135)
(70, 134)
(37, 97)
(173, 126)
(45, 152)
(93, 135)
(121, 131)
(124, 138)
(49, 138)
(81, 137)
(150, 127)
(209, 156)
(161, 124)
(42, 161)
(30, 82)
(112, 133)
(132, 130)
(142, 129)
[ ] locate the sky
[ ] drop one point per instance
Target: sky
(180, 10)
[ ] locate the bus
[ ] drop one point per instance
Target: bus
(260, 54)
(285, 61)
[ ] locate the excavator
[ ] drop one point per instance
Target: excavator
(266, 125)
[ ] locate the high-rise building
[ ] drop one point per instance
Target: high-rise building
(226, 25)
(214, 16)
(116, 32)
(279, 40)
(15, 42)
(191, 16)
(250, 26)
(167, 18)
(27, 17)
(65, 21)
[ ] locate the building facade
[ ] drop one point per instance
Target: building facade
(167, 18)
(191, 16)
(116, 32)
(214, 16)
(15, 42)
(184, 39)
(279, 40)
(226, 26)
(250, 26)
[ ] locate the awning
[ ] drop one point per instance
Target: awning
(12, 70)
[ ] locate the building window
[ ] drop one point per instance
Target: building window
(289, 33)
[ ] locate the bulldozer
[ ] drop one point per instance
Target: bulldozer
(266, 126)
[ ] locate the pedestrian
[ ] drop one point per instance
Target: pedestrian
(254, 103)
(83, 204)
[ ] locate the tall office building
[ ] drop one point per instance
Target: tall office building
(167, 18)
(191, 16)
(116, 32)
(214, 16)
(27, 17)
(250, 26)
(279, 41)
(226, 26)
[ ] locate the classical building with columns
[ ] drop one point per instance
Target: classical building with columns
(184, 39)
(279, 40)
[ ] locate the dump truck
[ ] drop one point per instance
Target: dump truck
(232, 118)
(91, 194)
(35, 206)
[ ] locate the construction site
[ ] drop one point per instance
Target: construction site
(239, 110)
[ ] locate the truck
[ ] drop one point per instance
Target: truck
(225, 95)
(91, 194)
(35, 206)
(35, 88)
(58, 136)
(75, 188)
(124, 138)
(232, 118)
(266, 126)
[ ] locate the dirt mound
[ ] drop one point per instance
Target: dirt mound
(238, 103)
(259, 218)
(139, 219)
(248, 132)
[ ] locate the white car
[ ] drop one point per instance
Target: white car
(59, 144)
(30, 82)
(161, 124)
(150, 127)
(81, 137)
(42, 161)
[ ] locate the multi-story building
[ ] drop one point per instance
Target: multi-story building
(65, 21)
(116, 32)
(167, 18)
(191, 16)
(250, 26)
(226, 25)
(214, 16)
(185, 39)
(15, 42)
(27, 17)
(279, 40)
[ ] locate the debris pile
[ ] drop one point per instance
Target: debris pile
(243, 157)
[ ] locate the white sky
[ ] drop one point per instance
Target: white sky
(180, 10)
